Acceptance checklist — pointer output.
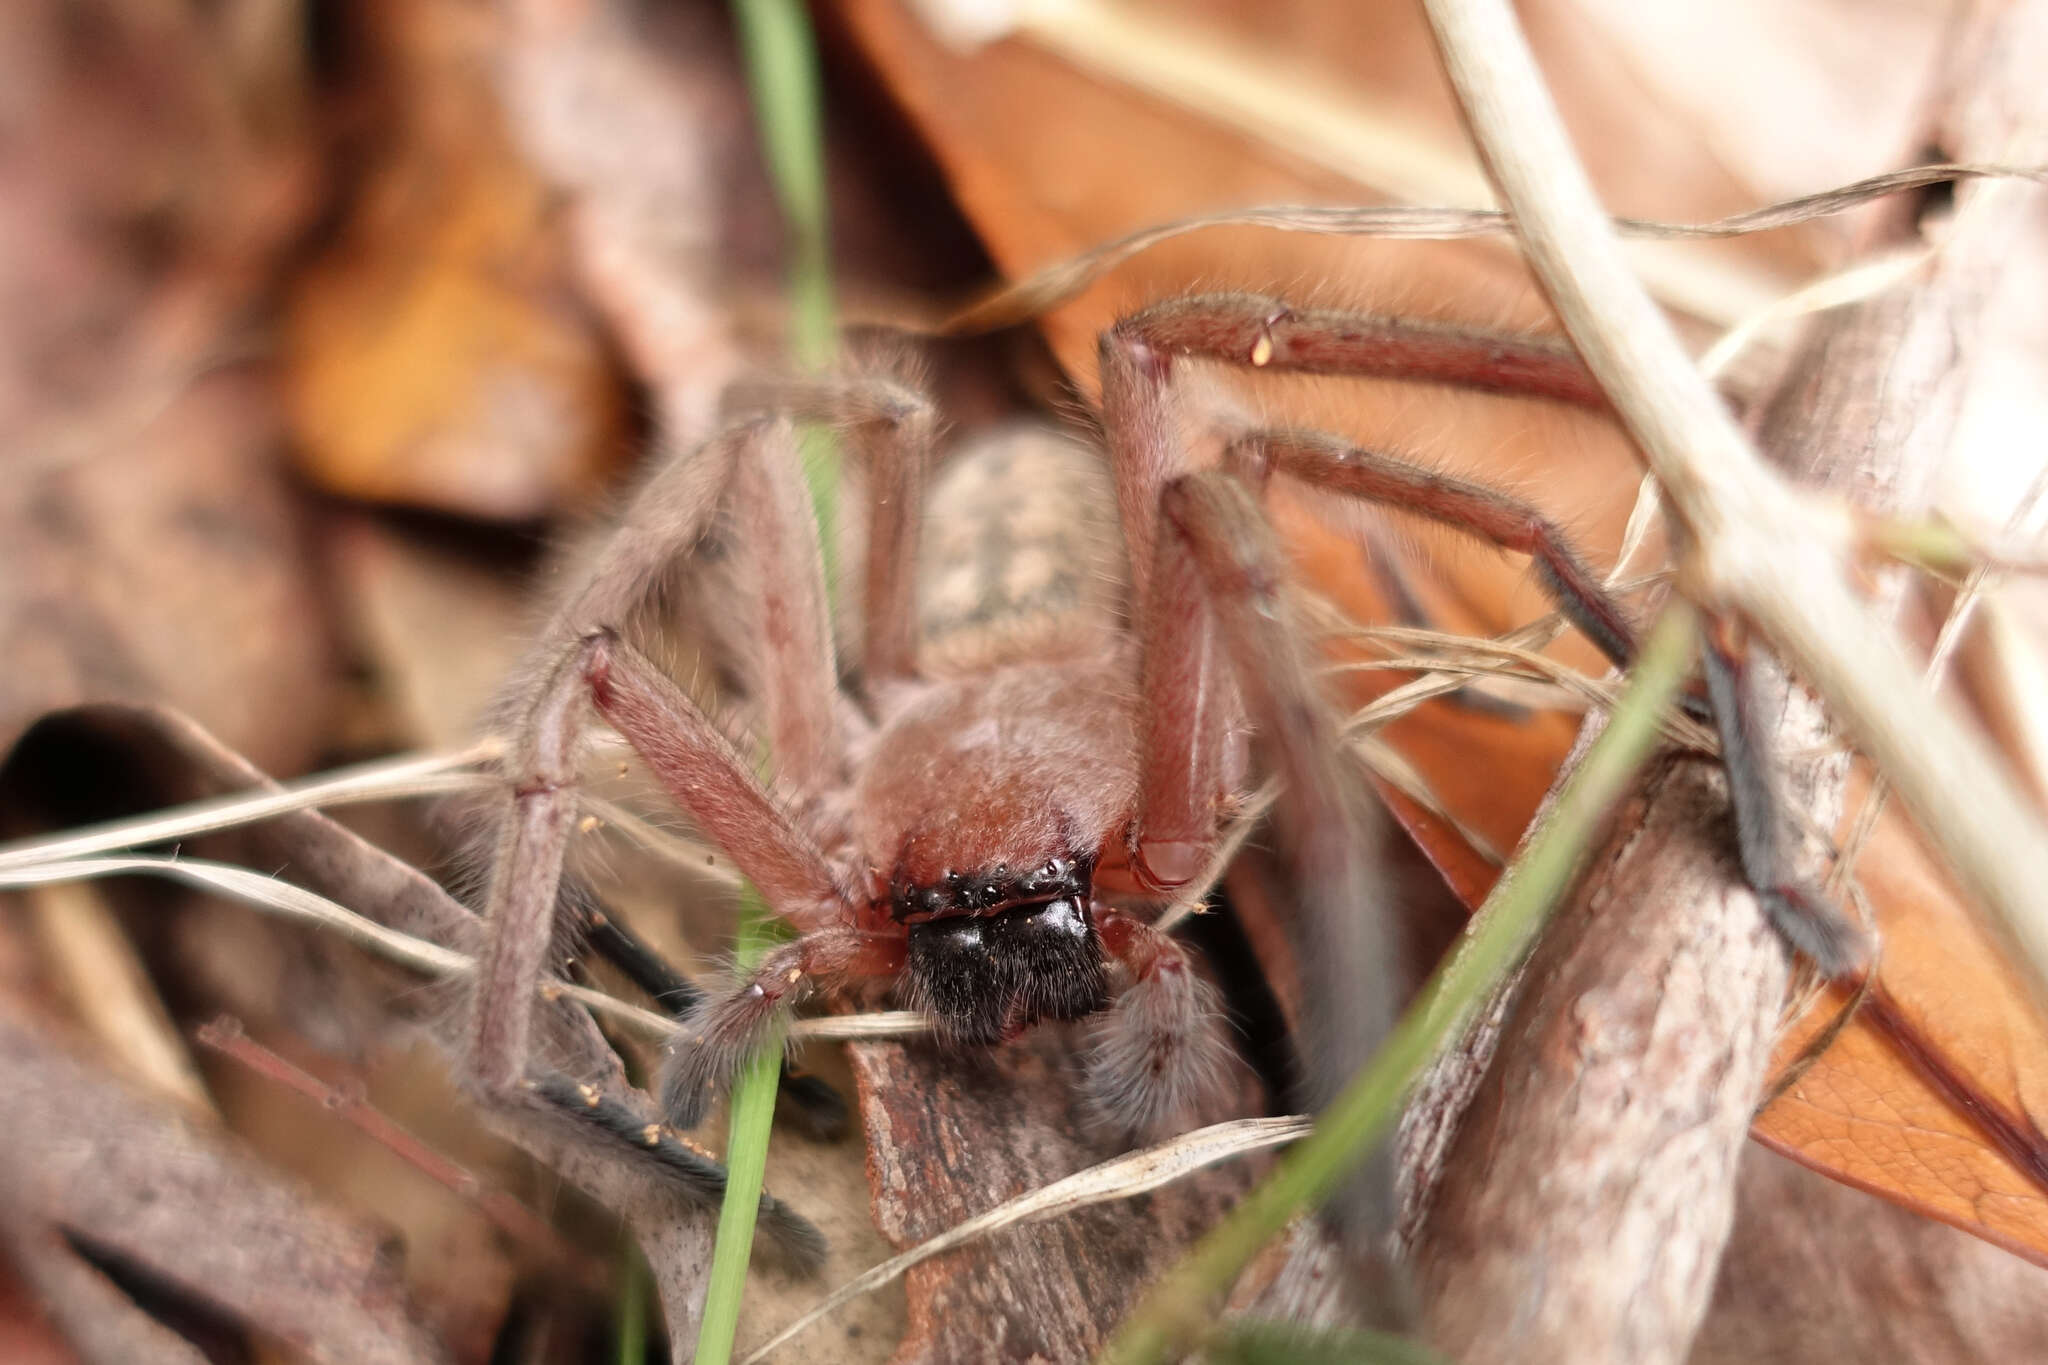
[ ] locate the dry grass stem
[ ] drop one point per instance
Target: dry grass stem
(1122, 1178)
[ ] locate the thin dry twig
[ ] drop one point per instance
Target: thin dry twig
(431, 959)
(1754, 548)
(225, 1036)
(1061, 282)
(1612, 1116)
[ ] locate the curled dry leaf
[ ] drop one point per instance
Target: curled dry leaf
(1042, 190)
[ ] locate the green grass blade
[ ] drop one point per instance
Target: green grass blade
(782, 72)
(632, 1309)
(746, 1160)
(781, 59)
(1173, 1315)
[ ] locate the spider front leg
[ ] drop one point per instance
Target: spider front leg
(719, 1035)
(694, 764)
(779, 576)
(811, 1103)
(1159, 1047)
(1328, 831)
(1261, 333)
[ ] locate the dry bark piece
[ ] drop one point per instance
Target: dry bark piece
(119, 1174)
(951, 1136)
(1818, 1271)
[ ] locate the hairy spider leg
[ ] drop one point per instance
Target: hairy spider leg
(1803, 918)
(672, 513)
(778, 568)
(695, 1172)
(1327, 829)
(879, 403)
(816, 1107)
(1259, 332)
(1183, 730)
(718, 1037)
(1331, 464)
(1159, 1047)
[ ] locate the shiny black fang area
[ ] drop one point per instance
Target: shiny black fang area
(982, 978)
(967, 893)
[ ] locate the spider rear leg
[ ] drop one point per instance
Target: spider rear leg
(817, 1108)
(1333, 465)
(716, 1038)
(1159, 1048)
(1804, 918)
(695, 1174)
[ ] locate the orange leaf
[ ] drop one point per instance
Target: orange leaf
(438, 357)
(1929, 1096)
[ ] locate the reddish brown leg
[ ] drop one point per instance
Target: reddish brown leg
(893, 424)
(1142, 425)
(777, 561)
(1265, 333)
(1333, 465)
(719, 1035)
(1184, 729)
(526, 876)
(695, 765)
(1327, 828)
(1158, 1049)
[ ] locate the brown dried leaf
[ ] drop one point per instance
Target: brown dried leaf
(124, 1175)
(148, 548)
(438, 355)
